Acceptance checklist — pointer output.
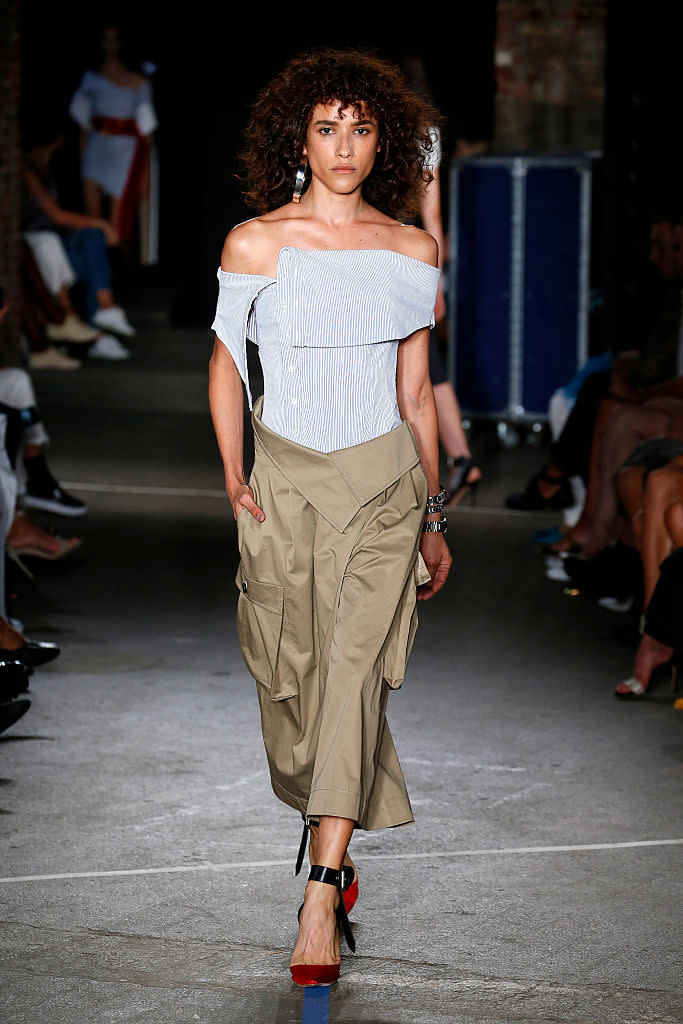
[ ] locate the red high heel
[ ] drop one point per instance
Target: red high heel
(349, 887)
(325, 974)
(349, 878)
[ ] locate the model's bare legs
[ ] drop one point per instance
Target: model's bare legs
(92, 198)
(313, 850)
(318, 940)
(451, 431)
(114, 210)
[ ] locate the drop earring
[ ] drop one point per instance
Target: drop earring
(299, 180)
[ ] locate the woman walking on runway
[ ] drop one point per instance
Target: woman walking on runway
(341, 519)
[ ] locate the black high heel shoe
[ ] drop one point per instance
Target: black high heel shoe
(457, 486)
(32, 653)
(325, 974)
(14, 677)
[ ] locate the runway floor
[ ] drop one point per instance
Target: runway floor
(147, 868)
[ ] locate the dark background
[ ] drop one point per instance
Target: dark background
(212, 59)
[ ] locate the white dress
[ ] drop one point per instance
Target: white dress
(107, 158)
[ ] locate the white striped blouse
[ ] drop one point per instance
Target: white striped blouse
(328, 328)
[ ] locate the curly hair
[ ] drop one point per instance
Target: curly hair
(281, 114)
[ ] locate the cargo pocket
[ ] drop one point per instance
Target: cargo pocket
(260, 612)
(399, 642)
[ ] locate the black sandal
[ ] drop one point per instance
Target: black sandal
(531, 499)
(457, 486)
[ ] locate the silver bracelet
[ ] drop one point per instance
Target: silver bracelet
(435, 527)
(435, 501)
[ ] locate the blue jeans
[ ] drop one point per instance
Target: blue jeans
(87, 250)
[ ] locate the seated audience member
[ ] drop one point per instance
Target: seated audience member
(635, 435)
(42, 491)
(84, 238)
(662, 634)
(22, 427)
(633, 377)
(44, 321)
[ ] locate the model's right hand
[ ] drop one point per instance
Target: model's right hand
(242, 497)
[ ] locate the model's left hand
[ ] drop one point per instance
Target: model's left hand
(438, 560)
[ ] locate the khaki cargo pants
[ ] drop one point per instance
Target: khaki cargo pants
(327, 616)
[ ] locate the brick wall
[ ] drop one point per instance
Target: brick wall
(550, 58)
(9, 174)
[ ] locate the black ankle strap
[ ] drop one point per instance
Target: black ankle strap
(319, 873)
(347, 876)
(302, 844)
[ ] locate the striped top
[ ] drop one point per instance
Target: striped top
(327, 328)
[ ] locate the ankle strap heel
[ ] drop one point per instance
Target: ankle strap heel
(329, 876)
(304, 840)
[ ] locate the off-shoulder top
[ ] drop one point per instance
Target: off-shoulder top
(327, 328)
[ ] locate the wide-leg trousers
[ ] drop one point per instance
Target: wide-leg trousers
(327, 615)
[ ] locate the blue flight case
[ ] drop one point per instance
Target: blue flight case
(518, 281)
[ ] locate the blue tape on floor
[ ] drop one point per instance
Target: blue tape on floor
(316, 1004)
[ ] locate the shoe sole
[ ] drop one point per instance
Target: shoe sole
(53, 506)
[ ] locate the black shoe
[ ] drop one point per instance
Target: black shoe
(531, 499)
(32, 653)
(11, 711)
(44, 492)
(52, 498)
(615, 572)
(14, 677)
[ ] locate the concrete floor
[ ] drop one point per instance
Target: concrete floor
(148, 871)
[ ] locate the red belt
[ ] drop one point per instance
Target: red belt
(137, 172)
(115, 125)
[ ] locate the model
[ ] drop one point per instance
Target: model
(340, 526)
(114, 110)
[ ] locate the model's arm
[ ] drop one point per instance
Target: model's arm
(416, 405)
(64, 218)
(226, 402)
(432, 222)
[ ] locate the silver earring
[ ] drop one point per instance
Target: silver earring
(299, 180)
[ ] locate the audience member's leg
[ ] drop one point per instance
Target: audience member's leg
(87, 250)
(630, 494)
(37, 486)
(661, 493)
(571, 451)
(662, 633)
(627, 426)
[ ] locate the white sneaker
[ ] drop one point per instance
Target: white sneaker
(73, 329)
(108, 347)
(52, 359)
(557, 574)
(114, 319)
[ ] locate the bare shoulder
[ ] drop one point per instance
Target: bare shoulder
(134, 80)
(413, 241)
(247, 249)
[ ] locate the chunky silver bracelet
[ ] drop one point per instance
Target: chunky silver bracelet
(435, 527)
(435, 501)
